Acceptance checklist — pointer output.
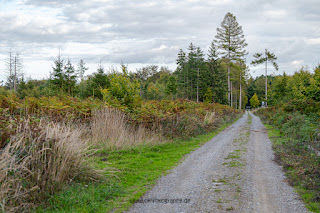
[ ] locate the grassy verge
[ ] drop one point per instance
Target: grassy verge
(296, 171)
(135, 172)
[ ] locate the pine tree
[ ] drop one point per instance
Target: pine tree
(231, 43)
(261, 58)
(181, 73)
(217, 76)
(58, 76)
(81, 69)
(201, 70)
(70, 77)
(191, 71)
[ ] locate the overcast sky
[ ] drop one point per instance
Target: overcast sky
(140, 32)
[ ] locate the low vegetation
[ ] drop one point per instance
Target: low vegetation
(296, 135)
(135, 171)
(52, 143)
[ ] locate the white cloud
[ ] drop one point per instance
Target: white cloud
(313, 41)
(275, 14)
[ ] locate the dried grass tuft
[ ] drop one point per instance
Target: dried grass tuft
(210, 118)
(40, 160)
(110, 128)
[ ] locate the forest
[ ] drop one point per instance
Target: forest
(42, 121)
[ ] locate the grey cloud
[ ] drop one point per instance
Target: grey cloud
(134, 31)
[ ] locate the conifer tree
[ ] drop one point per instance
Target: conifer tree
(58, 76)
(261, 58)
(70, 77)
(217, 76)
(181, 68)
(81, 69)
(231, 43)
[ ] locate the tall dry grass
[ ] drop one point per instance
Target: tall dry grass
(110, 128)
(39, 160)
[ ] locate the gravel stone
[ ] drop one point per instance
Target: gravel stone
(233, 172)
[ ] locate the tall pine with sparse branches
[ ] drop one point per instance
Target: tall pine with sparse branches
(261, 58)
(231, 43)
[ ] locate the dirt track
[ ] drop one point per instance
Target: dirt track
(233, 172)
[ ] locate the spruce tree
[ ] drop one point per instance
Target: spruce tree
(191, 71)
(70, 77)
(181, 73)
(231, 43)
(58, 76)
(217, 76)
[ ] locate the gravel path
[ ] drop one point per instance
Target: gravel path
(233, 172)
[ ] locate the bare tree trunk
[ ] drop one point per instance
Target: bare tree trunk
(240, 98)
(229, 87)
(10, 69)
(231, 93)
(15, 74)
(236, 98)
(198, 87)
(266, 83)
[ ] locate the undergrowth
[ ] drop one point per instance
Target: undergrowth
(136, 171)
(45, 142)
(296, 144)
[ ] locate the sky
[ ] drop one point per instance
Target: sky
(139, 32)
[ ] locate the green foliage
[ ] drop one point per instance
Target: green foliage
(95, 83)
(217, 76)
(191, 73)
(171, 87)
(313, 91)
(181, 118)
(122, 91)
(57, 77)
(261, 58)
(70, 77)
(209, 95)
(230, 39)
(254, 101)
(296, 141)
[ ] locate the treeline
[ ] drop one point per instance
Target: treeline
(302, 86)
(219, 76)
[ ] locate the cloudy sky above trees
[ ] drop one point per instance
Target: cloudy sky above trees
(140, 33)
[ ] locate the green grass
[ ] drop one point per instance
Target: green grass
(307, 195)
(134, 172)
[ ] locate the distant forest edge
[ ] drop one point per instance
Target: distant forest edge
(221, 77)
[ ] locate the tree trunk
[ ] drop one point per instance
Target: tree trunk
(231, 93)
(198, 86)
(229, 87)
(240, 98)
(266, 82)
(15, 74)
